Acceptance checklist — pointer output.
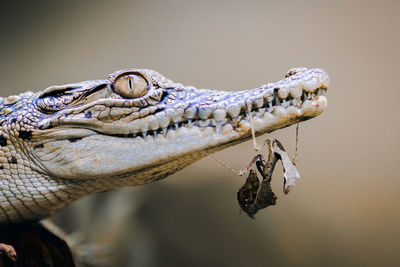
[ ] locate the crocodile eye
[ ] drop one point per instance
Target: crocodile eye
(131, 86)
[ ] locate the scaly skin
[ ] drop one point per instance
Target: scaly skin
(66, 142)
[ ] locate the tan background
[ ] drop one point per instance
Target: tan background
(345, 210)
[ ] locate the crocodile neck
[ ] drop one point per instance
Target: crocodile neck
(133, 128)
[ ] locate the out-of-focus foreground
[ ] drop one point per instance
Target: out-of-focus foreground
(344, 211)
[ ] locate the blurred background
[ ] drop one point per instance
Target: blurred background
(345, 209)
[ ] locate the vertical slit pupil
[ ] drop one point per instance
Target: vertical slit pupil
(130, 83)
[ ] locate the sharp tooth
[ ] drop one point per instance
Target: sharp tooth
(269, 97)
(279, 111)
(224, 121)
(277, 102)
(162, 119)
(204, 123)
(270, 104)
(320, 91)
(144, 127)
(309, 85)
(227, 128)
(258, 103)
(174, 114)
(244, 124)
(322, 103)
(233, 110)
(154, 132)
(257, 123)
(247, 116)
(144, 134)
(218, 126)
(153, 122)
(295, 90)
(283, 91)
(204, 113)
(190, 112)
(284, 103)
(176, 125)
(189, 122)
(297, 102)
(268, 93)
(293, 111)
(219, 114)
(309, 107)
(164, 130)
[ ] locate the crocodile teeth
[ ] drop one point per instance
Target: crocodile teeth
(204, 113)
(190, 112)
(218, 125)
(293, 111)
(304, 95)
(295, 90)
(233, 110)
(269, 96)
(204, 123)
(283, 92)
(297, 102)
(219, 114)
(279, 111)
(174, 114)
(316, 81)
(308, 107)
(153, 122)
(258, 103)
(284, 103)
(227, 128)
(163, 119)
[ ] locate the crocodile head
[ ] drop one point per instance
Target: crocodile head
(134, 128)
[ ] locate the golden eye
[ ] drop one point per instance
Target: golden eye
(131, 86)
